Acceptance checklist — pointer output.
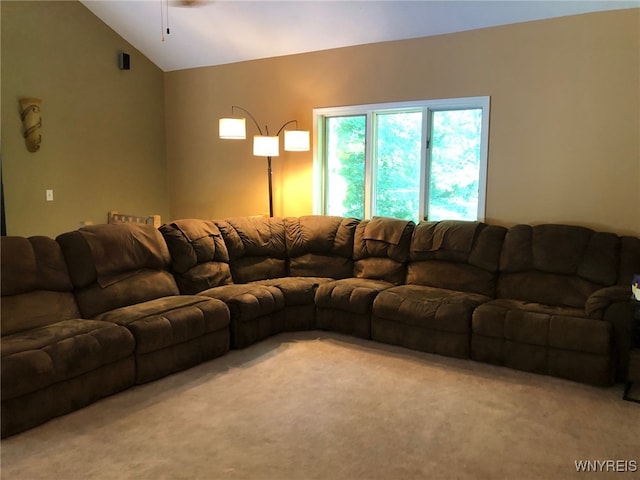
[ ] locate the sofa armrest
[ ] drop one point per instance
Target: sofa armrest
(614, 305)
(600, 300)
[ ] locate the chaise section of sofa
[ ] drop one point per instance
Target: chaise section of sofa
(53, 361)
(553, 293)
(380, 252)
(120, 275)
(452, 269)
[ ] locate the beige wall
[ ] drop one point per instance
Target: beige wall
(103, 144)
(564, 135)
(565, 118)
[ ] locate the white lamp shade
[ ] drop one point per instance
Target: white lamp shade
(296, 140)
(264, 146)
(232, 128)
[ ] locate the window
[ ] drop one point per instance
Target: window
(415, 160)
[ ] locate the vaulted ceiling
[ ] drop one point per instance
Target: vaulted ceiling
(180, 34)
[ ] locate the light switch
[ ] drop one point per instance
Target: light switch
(49, 195)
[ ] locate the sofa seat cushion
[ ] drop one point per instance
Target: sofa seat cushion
(257, 311)
(428, 307)
(354, 295)
(536, 324)
(296, 290)
(43, 356)
(169, 321)
(248, 301)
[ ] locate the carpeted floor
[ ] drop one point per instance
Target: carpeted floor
(317, 405)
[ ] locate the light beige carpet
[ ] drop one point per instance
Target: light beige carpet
(317, 405)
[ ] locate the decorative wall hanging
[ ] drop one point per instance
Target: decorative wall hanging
(31, 122)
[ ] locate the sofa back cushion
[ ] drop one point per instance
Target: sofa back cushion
(199, 256)
(256, 247)
(557, 265)
(116, 265)
(320, 245)
(35, 284)
(456, 255)
(381, 249)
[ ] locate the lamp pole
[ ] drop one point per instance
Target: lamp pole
(270, 186)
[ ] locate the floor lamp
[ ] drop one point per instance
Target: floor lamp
(264, 145)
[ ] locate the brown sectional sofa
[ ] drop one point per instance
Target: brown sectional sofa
(104, 307)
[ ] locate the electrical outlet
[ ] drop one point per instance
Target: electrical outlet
(49, 193)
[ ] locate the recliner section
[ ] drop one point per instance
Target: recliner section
(120, 275)
(452, 269)
(53, 361)
(108, 306)
(540, 320)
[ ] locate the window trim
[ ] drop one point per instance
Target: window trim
(370, 111)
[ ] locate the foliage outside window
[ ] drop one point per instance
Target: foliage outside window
(417, 160)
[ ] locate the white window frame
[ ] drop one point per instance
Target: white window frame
(370, 110)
